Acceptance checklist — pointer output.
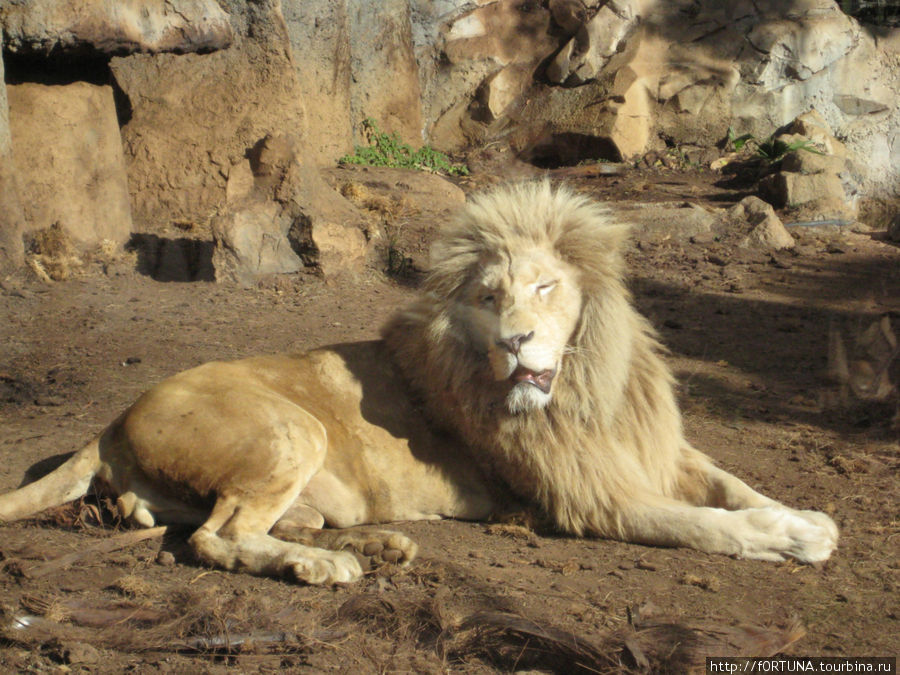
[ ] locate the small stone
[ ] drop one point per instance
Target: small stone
(79, 652)
(165, 558)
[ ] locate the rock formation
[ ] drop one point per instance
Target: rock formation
(195, 86)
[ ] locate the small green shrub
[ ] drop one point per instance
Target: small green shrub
(771, 149)
(388, 150)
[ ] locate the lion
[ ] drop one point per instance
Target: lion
(523, 374)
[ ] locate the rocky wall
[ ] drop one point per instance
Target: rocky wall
(559, 81)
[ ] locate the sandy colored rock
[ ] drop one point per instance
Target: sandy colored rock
(827, 207)
(425, 192)
(500, 90)
(582, 58)
(660, 222)
(115, 26)
(805, 161)
(468, 49)
(810, 124)
(68, 152)
(317, 33)
(324, 222)
(289, 218)
(795, 189)
(252, 242)
(570, 15)
(767, 231)
(12, 219)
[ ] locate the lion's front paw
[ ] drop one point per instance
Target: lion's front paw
(778, 533)
(821, 536)
(378, 546)
(327, 567)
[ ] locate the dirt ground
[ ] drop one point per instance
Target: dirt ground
(748, 336)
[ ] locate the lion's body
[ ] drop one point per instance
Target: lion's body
(524, 367)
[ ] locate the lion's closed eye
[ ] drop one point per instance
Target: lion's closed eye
(544, 289)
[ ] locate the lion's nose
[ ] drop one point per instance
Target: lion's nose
(513, 343)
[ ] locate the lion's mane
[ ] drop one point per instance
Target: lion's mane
(612, 433)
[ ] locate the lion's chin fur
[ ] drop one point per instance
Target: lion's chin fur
(525, 398)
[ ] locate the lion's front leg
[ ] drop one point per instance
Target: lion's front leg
(768, 529)
(767, 532)
(373, 544)
(235, 537)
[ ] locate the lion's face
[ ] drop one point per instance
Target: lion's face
(521, 311)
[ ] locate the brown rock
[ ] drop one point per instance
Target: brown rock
(795, 189)
(253, 242)
(317, 34)
(767, 231)
(894, 228)
(68, 152)
(570, 15)
(289, 219)
(384, 75)
(805, 161)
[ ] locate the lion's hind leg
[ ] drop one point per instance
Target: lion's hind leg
(373, 544)
(236, 537)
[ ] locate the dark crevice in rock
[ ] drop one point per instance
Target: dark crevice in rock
(181, 259)
(569, 149)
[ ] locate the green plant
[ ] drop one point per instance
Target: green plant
(771, 149)
(388, 150)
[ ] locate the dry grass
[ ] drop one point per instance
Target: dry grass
(133, 586)
(52, 256)
(389, 208)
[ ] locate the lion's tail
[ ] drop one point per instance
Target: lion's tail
(69, 481)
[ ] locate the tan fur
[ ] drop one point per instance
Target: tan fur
(535, 375)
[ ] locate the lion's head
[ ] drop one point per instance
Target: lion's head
(515, 273)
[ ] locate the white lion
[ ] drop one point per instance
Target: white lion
(522, 369)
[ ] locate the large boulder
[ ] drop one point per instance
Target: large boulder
(282, 217)
(70, 167)
(114, 26)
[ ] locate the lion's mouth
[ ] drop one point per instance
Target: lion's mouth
(542, 380)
